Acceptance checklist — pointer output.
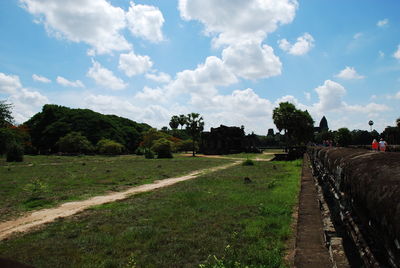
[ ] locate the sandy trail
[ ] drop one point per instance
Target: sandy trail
(37, 218)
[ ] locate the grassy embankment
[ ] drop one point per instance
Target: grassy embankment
(45, 181)
(215, 220)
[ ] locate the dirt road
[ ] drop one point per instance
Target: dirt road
(40, 217)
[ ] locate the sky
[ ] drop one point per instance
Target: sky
(232, 61)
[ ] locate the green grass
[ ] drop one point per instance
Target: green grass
(44, 181)
(215, 220)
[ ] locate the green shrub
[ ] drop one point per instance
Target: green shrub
(109, 147)
(140, 151)
(248, 162)
(163, 148)
(149, 154)
(15, 153)
(185, 146)
(74, 143)
(35, 189)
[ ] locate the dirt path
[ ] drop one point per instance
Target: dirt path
(310, 250)
(37, 218)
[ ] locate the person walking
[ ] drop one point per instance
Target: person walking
(375, 145)
(382, 145)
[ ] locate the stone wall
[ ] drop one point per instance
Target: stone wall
(365, 186)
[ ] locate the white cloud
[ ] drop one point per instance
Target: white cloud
(154, 115)
(66, 83)
(250, 61)
(150, 94)
(382, 23)
(145, 21)
(133, 64)
(25, 102)
(105, 78)
(40, 78)
(349, 73)
(159, 77)
(96, 23)
(204, 78)
(303, 44)
(9, 84)
(397, 53)
(330, 96)
(231, 20)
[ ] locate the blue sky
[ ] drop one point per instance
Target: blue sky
(231, 61)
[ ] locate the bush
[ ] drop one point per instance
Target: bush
(74, 143)
(15, 153)
(140, 151)
(109, 147)
(186, 145)
(248, 162)
(149, 154)
(163, 148)
(35, 189)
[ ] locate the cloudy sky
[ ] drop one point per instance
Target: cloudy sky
(232, 61)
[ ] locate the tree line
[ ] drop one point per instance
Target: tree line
(59, 129)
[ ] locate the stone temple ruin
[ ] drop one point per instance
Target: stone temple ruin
(362, 190)
(227, 140)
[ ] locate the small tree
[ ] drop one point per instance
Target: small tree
(182, 120)
(109, 147)
(6, 117)
(298, 126)
(194, 126)
(163, 148)
(343, 137)
(174, 122)
(74, 142)
(15, 153)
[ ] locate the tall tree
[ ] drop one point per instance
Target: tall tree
(182, 120)
(194, 126)
(398, 122)
(174, 122)
(298, 125)
(6, 117)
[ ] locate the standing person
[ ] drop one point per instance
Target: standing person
(382, 145)
(375, 145)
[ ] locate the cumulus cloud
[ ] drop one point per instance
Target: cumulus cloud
(231, 20)
(303, 44)
(25, 102)
(67, 83)
(396, 54)
(155, 115)
(41, 79)
(133, 64)
(96, 23)
(9, 84)
(249, 60)
(145, 21)
(104, 77)
(160, 77)
(330, 96)
(349, 73)
(382, 23)
(204, 78)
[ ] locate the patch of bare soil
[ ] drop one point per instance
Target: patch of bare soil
(40, 217)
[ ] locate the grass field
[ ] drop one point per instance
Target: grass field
(44, 181)
(215, 220)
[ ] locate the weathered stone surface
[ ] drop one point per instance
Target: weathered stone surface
(369, 184)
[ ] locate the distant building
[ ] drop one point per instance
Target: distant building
(323, 125)
(227, 140)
